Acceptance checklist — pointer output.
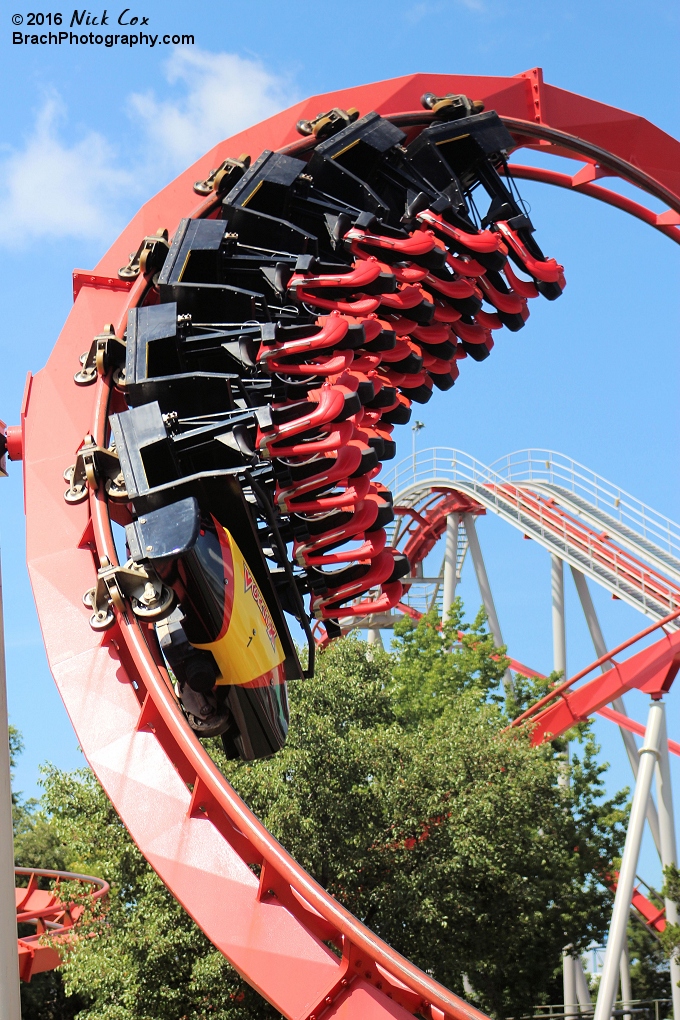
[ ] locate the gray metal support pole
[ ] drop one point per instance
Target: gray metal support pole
(669, 855)
(590, 614)
(582, 990)
(649, 753)
(450, 558)
(626, 986)
(374, 637)
(559, 636)
(558, 624)
(569, 985)
(10, 1003)
(600, 649)
(485, 590)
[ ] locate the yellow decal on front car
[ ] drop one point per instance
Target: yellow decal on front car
(250, 645)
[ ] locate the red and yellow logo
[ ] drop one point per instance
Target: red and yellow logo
(251, 585)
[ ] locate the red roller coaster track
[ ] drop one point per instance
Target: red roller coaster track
(43, 909)
(186, 819)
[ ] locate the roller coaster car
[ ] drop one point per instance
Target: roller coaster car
(227, 644)
(278, 344)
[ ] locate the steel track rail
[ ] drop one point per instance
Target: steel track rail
(622, 557)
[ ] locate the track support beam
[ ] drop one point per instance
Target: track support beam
(626, 986)
(485, 590)
(10, 1002)
(559, 636)
(558, 622)
(450, 563)
(569, 984)
(374, 637)
(669, 856)
(617, 704)
(649, 754)
(582, 990)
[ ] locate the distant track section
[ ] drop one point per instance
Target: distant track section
(49, 914)
(601, 530)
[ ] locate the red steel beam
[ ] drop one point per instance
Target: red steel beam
(634, 727)
(607, 713)
(654, 917)
(663, 222)
(427, 524)
(560, 690)
(651, 670)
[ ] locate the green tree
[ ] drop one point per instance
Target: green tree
(670, 937)
(16, 746)
(649, 967)
(403, 793)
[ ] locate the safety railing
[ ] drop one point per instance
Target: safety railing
(552, 468)
(645, 1009)
(515, 494)
(541, 466)
(439, 462)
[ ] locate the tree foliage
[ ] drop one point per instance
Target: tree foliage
(649, 967)
(670, 937)
(402, 792)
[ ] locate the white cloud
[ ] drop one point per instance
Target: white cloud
(474, 5)
(427, 9)
(53, 188)
(49, 188)
(420, 11)
(223, 93)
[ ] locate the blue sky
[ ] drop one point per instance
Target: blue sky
(88, 133)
